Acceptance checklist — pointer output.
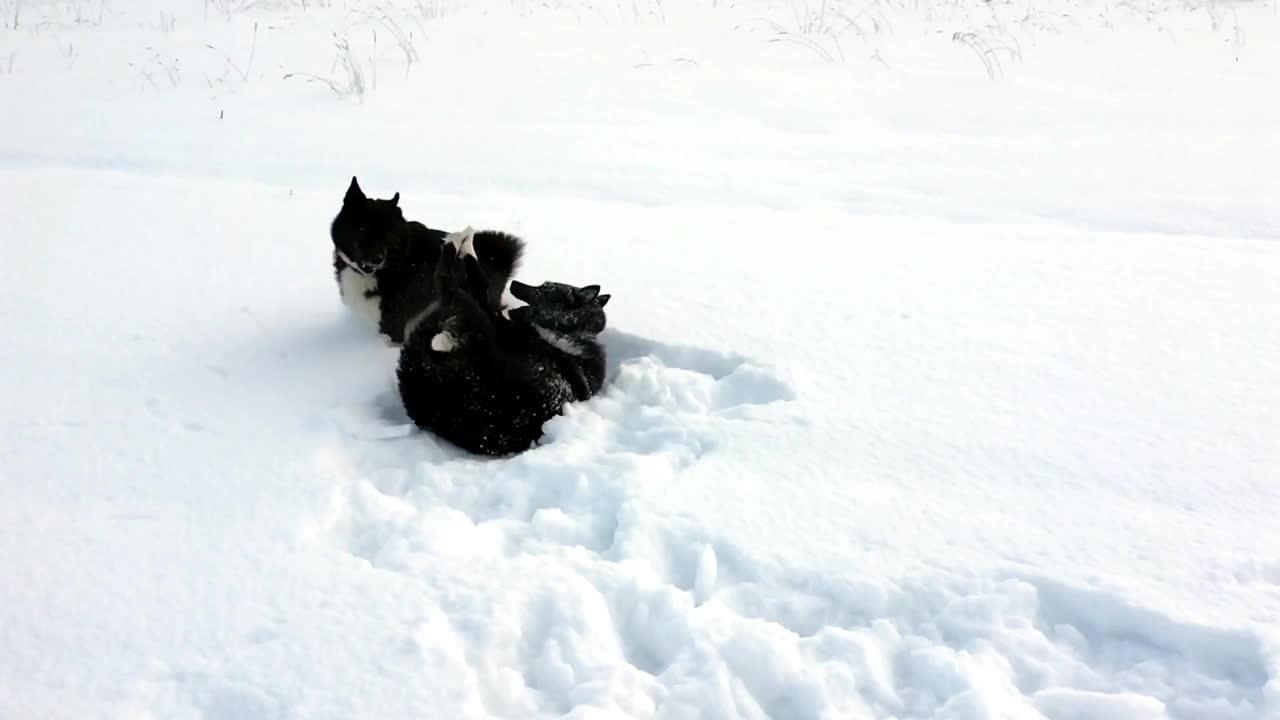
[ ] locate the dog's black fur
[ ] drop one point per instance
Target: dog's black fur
(394, 258)
(567, 316)
(560, 307)
(482, 381)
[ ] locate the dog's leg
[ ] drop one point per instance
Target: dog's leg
(445, 286)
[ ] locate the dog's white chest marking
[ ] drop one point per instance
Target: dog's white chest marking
(353, 286)
(560, 342)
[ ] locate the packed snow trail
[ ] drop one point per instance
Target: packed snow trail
(930, 397)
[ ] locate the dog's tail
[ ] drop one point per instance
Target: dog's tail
(500, 253)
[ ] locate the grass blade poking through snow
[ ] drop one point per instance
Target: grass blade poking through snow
(354, 83)
(253, 47)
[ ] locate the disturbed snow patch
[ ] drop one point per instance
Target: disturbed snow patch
(551, 588)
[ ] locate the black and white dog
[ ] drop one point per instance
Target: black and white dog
(383, 263)
(484, 381)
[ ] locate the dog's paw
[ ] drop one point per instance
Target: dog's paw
(443, 342)
(463, 242)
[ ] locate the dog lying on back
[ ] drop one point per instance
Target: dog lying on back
(383, 263)
(567, 318)
(488, 383)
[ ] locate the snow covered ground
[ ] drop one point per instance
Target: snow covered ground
(945, 361)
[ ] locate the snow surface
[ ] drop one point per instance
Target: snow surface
(944, 361)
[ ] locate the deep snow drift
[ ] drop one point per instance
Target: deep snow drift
(944, 362)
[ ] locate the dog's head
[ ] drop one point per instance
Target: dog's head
(559, 295)
(368, 232)
(561, 307)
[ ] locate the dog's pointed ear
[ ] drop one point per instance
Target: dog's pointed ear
(603, 300)
(588, 292)
(395, 199)
(354, 193)
(521, 291)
